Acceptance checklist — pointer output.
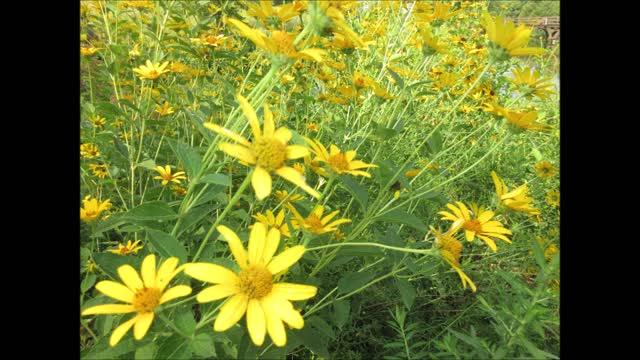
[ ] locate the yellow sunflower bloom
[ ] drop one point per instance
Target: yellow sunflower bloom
(283, 196)
(89, 151)
(100, 170)
(523, 120)
(315, 223)
(480, 225)
(92, 208)
(151, 71)
(267, 13)
(516, 200)
(276, 222)
(545, 170)
(553, 198)
(450, 249)
(253, 291)
(532, 83)
(510, 41)
(280, 42)
(88, 51)
(339, 162)
(165, 109)
(166, 176)
(141, 295)
(130, 248)
(269, 151)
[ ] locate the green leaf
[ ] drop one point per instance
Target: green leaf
(434, 142)
(198, 121)
(536, 154)
(202, 345)
(187, 157)
(175, 347)
(146, 352)
(111, 262)
(166, 244)
(147, 164)
(185, 322)
(313, 340)
(397, 78)
(359, 192)
(84, 255)
(403, 217)
(353, 281)
(219, 179)
(534, 351)
(194, 216)
(104, 351)
(341, 311)
(109, 223)
(121, 147)
(407, 292)
(87, 283)
(153, 210)
(319, 324)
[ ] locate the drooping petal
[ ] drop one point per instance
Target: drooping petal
(217, 292)
(294, 292)
(275, 327)
(257, 242)
(296, 151)
(142, 325)
(283, 134)
(256, 323)
(261, 182)
(271, 246)
(174, 293)
(251, 116)
(109, 309)
(269, 126)
(292, 175)
(313, 54)
(231, 312)
(469, 235)
(287, 313)
(130, 277)
(228, 133)
(235, 245)
(238, 151)
(211, 273)
(120, 331)
(148, 270)
(115, 290)
(286, 259)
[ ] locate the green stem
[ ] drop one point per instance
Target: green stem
(226, 210)
(395, 248)
(86, 327)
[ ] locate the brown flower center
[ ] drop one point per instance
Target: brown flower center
(473, 225)
(450, 244)
(146, 299)
(339, 163)
(315, 224)
(271, 153)
(256, 281)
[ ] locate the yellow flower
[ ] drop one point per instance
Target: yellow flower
(441, 11)
(130, 248)
(151, 71)
(89, 151)
(88, 51)
(341, 163)
(313, 126)
(315, 223)
(338, 235)
(433, 45)
(100, 170)
(268, 151)
(214, 41)
(135, 51)
(280, 43)
(553, 198)
(545, 170)
(253, 291)
(532, 82)
(450, 249)
(343, 34)
(92, 208)
(140, 295)
(283, 196)
(516, 200)
(523, 120)
(98, 121)
(165, 109)
(178, 190)
(510, 41)
(269, 14)
(480, 225)
(166, 176)
(275, 222)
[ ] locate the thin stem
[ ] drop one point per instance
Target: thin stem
(414, 251)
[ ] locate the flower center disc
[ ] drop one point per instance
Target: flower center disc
(271, 153)
(472, 225)
(315, 225)
(283, 42)
(256, 281)
(450, 244)
(338, 162)
(146, 299)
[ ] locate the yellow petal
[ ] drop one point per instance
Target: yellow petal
(130, 277)
(283, 134)
(115, 290)
(143, 322)
(251, 116)
(254, 35)
(294, 292)
(313, 54)
(120, 331)
(261, 182)
(469, 235)
(271, 246)
(235, 245)
(285, 311)
(275, 327)
(269, 125)
(292, 175)
(109, 309)
(174, 293)
(166, 272)
(256, 323)
(286, 259)
(217, 292)
(148, 270)
(211, 273)
(231, 312)
(296, 151)
(239, 152)
(257, 240)
(228, 133)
